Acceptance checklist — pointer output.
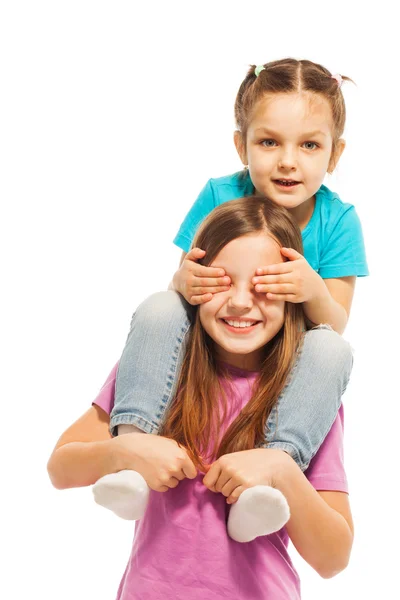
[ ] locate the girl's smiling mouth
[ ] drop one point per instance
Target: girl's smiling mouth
(240, 325)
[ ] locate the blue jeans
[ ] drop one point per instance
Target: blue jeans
(150, 363)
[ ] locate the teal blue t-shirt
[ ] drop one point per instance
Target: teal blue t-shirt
(332, 239)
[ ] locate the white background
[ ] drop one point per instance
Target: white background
(105, 108)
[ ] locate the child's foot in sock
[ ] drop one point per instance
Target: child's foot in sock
(260, 510)
(126, 493)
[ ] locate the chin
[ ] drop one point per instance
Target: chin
(239, 350)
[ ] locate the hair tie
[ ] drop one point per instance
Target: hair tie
(338, 78)
(258, 70)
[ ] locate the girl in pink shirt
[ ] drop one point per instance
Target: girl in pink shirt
(208, 457)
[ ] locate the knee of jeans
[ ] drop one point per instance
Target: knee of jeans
(327, 347)
(162, 307)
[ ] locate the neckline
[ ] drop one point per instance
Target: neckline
(238, 370)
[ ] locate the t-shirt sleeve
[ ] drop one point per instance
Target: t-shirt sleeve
(204, 204)
(326, 470)
(344, 254)
(105, 397)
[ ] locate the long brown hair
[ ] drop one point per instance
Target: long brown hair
(290, 75)
(195, 416)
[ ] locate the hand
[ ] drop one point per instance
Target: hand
(233, 473)
(292, 281)
(160, 460)
(197, 283)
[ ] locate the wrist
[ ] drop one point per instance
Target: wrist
(123, 451)
(118, 455)
(284, 471)
(114, 455)
(320, 295)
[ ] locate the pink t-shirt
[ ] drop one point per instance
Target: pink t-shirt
(181, 549)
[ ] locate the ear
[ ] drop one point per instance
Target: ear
(240, 147)
(335, 156)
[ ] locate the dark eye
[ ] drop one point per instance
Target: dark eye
(268, 143)
(310, 145)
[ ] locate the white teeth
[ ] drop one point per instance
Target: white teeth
(239, 324)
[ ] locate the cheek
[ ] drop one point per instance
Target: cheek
(320, 166)
(275, 312)
(260, 161)
(208, 312)
(204, 317)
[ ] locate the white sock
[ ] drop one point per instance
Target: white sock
(126, 493)
(260, 510)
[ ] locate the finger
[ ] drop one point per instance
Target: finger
(228, 488)
(202, 271)
(212, 476)
(277, 288)
(222, 481)
(195, 300)
(189, 470)
(163, 488)
(208, 282)
(286, 297)
(195, 254)
(235, 494)
(210, 290)
(181, 475)
(283, 267)
(291, 254)
(278, 278)
(173, 482)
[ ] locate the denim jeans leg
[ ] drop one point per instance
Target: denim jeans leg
(150, 363)
(309, 403)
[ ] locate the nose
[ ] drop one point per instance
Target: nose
(287, 159)
(241, 298)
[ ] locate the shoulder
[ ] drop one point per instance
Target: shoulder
(337, 220)
(231, 187)
(331, 204)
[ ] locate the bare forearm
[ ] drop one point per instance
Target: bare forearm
(321, 535)
(79, 464)
(324, 309)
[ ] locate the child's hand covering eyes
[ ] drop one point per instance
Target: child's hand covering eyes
(197, 283)
(293, 281)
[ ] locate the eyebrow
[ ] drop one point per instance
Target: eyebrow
(276, 134)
